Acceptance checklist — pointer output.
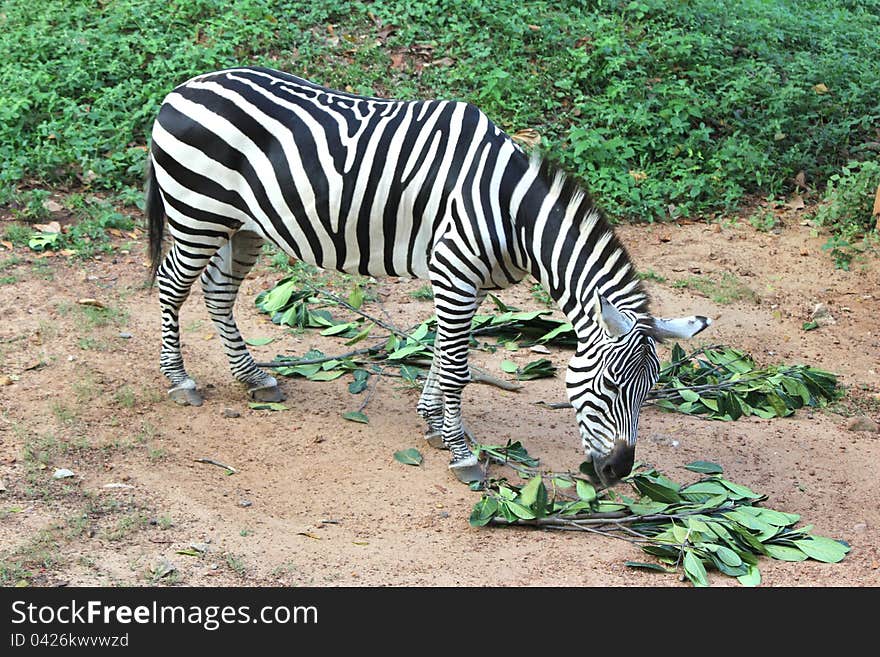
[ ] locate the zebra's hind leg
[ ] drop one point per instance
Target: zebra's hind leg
(175, 277)
(220, 282)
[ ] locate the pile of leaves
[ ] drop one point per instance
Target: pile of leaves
(725, 384)
(709, 524)
(717, 381)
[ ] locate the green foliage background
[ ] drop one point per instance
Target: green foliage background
(664, 108)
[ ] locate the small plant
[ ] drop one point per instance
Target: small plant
(424, 293)
(18, 234)
(541, 295)
(32, 206)
(763, 220)
(847, 210)
(651, 275)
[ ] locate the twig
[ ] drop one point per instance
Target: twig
(218, 464)
(315, 361)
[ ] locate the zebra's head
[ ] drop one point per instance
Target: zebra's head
(609, 378)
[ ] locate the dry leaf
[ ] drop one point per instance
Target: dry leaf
(397, 61)
(638, 175)
(820, 89)
(796, 203)
(307, 534)
(53, 206)
(115, 232)
(51, 227)
(7, 245)
(876, 212)
(800, 180)
(5, 380)
(88, 301)
(528, 137)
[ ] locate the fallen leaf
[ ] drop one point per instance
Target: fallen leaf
(115, 232)
(53, 206)
(88, 301)
(410, 456)
(796, 203)
(820, 89)
(528, 137)
(397, 61)
(5, 380)
(51, 227)
(6, 245)
(309, 535)
(876, 211)
(800, 180)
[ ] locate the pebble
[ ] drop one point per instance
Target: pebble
(245, 503)
(231, 412)
(125, 336)
(62, 473)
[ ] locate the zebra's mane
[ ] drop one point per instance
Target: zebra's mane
(573, 194)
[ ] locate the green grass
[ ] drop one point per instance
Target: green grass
(664, 108)
(725, 290)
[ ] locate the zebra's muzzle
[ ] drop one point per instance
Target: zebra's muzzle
(617, 464)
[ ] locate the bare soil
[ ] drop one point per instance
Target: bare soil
(318, 500)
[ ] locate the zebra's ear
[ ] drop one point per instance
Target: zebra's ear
(612, 321)
(680, 328)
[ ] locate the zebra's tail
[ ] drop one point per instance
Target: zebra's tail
(155, 210)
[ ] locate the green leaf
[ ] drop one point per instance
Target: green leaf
(694, 569)
(336, 329)
(785, 552)
(410, 373)
(752, 578)
(658, 488)
(360, 335)
(483, 512)
(688, 395)
(268, 406)
(585, 490)
(508, 366)
(809, 326)
(529, 493)
(823, 549)
(356, 416)
(740, 490)
(559, 482)
(648, 508)
(405, 351)
(704, 467)
(356, 297)
(519, 510)
(648, 566)
(324, 375)
(410, 456)
(258, 342)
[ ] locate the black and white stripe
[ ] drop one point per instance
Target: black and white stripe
(430, 189)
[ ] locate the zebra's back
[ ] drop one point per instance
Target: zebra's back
(359, 184)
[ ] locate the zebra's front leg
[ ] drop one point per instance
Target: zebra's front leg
(220, 282)
(430, 405)
(431, 408)
(455, 307)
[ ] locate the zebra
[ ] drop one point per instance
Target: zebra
(429, 189)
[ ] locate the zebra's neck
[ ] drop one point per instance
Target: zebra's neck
(569, 247)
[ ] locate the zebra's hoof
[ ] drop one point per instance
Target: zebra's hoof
(468, 470)
(185, 396)
(267, 394)
(435, 439)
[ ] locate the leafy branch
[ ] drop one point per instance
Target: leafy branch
(712, 523)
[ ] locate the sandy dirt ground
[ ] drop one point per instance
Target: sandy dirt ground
(319, 501)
